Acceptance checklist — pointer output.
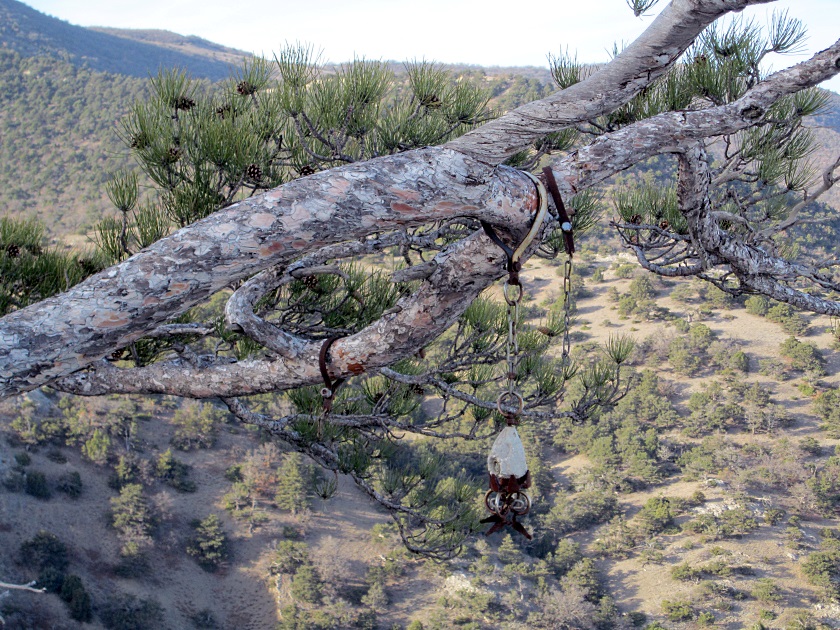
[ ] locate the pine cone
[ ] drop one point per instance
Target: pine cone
(223, 110)
(254, 173)
(636, 219)
(545, 330)
(116, 355)
(139, 141)
(245, 89)
(432, 101)
(12, 250)
(174, 154)
(664, 225)
(87, 265)
(310, 282)
(185, 103)
(306, 170)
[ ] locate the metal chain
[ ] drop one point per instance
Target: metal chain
(512, 346)
(567, 310)
(510, 402)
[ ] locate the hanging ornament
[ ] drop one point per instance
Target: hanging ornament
(509, 477)
(507, 466)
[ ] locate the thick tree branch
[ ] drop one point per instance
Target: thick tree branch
(755, 269)
(108, 311)
(645, 60)
(111, 309)
(672, 132)
(463, 271)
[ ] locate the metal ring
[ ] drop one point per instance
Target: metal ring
(508, 299)
(496, 502)
(503, 397)
(326, 392)
(520, 503)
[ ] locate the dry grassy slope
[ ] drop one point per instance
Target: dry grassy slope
(338, 531)
(643, 587)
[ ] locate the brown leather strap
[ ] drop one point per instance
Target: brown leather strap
(323, 360)
(554, 191)
(512, 267)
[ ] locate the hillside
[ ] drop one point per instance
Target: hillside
(137, 54)
(707, 497)
(58, 122)
(185, 44)
(59, 126)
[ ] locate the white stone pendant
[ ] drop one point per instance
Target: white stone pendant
(507, 456)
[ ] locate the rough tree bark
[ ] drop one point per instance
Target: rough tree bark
(58, 337)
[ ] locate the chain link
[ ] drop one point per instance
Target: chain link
(567, 310)
(512, 346)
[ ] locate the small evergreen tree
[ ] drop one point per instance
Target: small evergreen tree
(77, 599)
(376, 597)
(44, 551)
(131, 517)
(294, 484)
(97, 446)
(209, 545)
(306, 584)
(195, 426)
(36, 485)
(70, 483)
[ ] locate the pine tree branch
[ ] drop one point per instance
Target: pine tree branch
(755, 269)
(63, 334)
(23, 587)
(110, 310)
(829, 179)
(611, 86)
(463, 271)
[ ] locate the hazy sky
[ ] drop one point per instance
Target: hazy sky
(498, 32)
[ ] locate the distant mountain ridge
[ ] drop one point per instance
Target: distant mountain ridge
(123, 51)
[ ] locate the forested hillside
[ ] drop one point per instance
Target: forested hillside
(59, 123)
(29, 32)
(59, 128)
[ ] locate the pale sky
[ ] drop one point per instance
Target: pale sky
(486, 32)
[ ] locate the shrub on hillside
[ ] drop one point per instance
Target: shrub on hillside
(678, 610)
(43, 551)
(78, 600)
(128, 612)
(195, 426)
(36, 485)
(827, 406)
(792, 322)
(209, 545)
(625, 271)
(70, 483)
(822, 569)
(757, 305)
(803, 356)
(174, 472)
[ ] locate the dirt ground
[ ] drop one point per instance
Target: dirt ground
(243, 596)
